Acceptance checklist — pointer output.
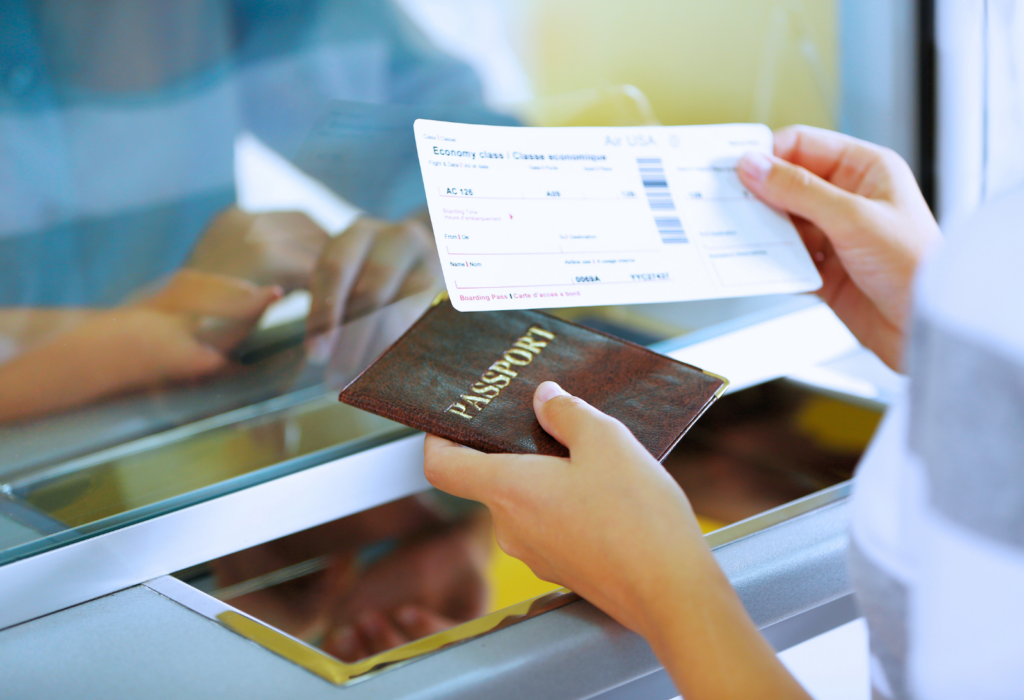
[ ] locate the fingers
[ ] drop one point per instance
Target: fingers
(289, 244)
(824, 152)
(418, 622)
(368, 267)
(279, 247)
(467, 473)
(570, 420)
(194, 361)
(303, 235)
(394, 255)
(168, 350)
(203, 361)
(332, 279)
(849, 163)
(345, 644)
(800, 192)
(218, 312)
(378, 633)
(375, 632)
(208, 294)
(371, 634)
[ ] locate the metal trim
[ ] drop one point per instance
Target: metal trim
(334, 670)
(788, 511)
(28, 516)
(721, 389)
(110, 561)
(784, 576)
(799, 628)
(782, 633)
(338, 672)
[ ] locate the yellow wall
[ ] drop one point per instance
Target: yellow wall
(697, 61)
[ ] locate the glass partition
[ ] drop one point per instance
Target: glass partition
(211, 219)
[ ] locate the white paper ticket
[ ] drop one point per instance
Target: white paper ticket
(585, 216)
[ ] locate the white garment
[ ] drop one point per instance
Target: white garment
(938, 510)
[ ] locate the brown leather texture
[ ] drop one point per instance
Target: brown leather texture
(442, 375)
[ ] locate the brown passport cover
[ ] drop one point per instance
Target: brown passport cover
(451, 375)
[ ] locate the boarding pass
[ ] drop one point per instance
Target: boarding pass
(583, 216)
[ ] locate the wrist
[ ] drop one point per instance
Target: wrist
(679, 568)
(667, 602)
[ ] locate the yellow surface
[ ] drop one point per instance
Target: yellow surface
(511, 580)
(697, 62)
(836, 424)
(153, 475)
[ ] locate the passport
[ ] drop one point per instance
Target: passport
(470, 378)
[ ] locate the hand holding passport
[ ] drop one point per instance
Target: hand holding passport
(607, 522)
(470, 378)
(527, 217)
(473, 378)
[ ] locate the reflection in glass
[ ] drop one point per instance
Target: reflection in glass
(408, 569)
(153, 276)
(177, 311)
(129, 269)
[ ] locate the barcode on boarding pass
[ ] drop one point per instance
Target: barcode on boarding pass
(652, 173)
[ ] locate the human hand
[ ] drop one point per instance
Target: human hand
(219, 311)
(863, 219)
(433, 579)
(272, 248)
(181, 332)
(605, 522)
(302, 607)
(429, 584)
(612, 525)
(372, 264)
(166, 338)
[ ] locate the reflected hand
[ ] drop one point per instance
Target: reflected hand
(430, 582)
(372, 264)
(163, 339)
(219, 311)
(301, 607)
(427, 585)
(862, 217)
(272, 248)
(375, 632)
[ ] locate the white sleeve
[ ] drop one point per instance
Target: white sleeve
(966, 429)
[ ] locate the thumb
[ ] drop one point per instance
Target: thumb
(798, 191)
(568, 419)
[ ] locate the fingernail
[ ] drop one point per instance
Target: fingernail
(755, 165)
(407, 616)
(549, 390)
(344, 640)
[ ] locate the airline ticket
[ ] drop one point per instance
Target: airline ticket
(583, 216)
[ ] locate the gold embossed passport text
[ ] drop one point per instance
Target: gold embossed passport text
(470, 377)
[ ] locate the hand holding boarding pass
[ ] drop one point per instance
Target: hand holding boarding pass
(557, 217)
